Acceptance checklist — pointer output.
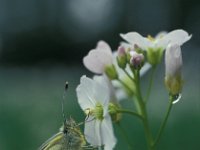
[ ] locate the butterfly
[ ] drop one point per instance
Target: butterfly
(68, 138)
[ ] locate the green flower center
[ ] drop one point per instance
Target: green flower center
(98, 111)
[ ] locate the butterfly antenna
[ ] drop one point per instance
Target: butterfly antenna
(62, 102)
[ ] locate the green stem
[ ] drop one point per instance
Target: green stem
(143, 112)
(164, 122)
(129, 75)
(125, 85)
(130, 113)
(150, 83)
(148, 133)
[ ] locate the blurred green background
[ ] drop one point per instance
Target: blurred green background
(42, 44)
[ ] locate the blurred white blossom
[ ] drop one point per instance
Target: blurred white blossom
(98, 58)
(160, 41)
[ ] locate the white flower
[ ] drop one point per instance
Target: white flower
(98, 58)
(160, 41)
(94, 96)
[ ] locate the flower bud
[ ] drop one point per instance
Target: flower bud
(113, 111)
(111, 72)
(136, 59)
(173, 65)
(121, 57)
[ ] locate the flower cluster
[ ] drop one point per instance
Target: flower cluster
(118, 77)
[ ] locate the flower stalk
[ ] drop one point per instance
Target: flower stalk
(143, 111)
(125, 111)
(163, 124)
(150, 83)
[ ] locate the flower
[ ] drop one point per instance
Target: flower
(93, 98)
(160, 41)
(155, 46)
(98, 58)
(114, 100)
(173, 65)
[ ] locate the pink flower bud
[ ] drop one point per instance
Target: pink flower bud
(121, 57)
(136, 59)
(121, 52)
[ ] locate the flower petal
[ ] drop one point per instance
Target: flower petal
(85, 93)
(135, 38)
(96, 61)
(92, 132)
(103, 46)
(102, 93)
(107, 134)
(160, 35)
(90, 92)
(177, 36)
(104, 79)
(173, 60)
(126, 45)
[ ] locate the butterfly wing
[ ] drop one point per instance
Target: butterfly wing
(54, 143)
(69, 138)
